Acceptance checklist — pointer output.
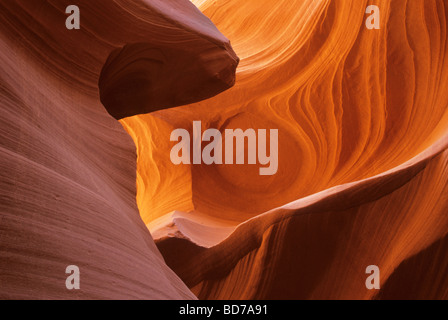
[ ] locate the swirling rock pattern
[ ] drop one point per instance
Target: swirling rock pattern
(67, 168)
(362, 118)
(363, 149)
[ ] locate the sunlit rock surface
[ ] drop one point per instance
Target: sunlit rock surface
(362, 119)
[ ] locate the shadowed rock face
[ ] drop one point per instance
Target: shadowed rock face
(68, 169)
(141, 78)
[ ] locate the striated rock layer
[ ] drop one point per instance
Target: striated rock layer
(67, 168)
(363, 149)
(362, 117)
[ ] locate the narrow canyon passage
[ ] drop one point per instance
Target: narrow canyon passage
(358, 117)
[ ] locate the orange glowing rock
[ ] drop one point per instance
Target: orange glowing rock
(362, 121)
(362, 179)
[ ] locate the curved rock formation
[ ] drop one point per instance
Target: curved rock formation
(363, 149)
(141, 77)
(67, 168)
(319, 247)
(362, 118)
